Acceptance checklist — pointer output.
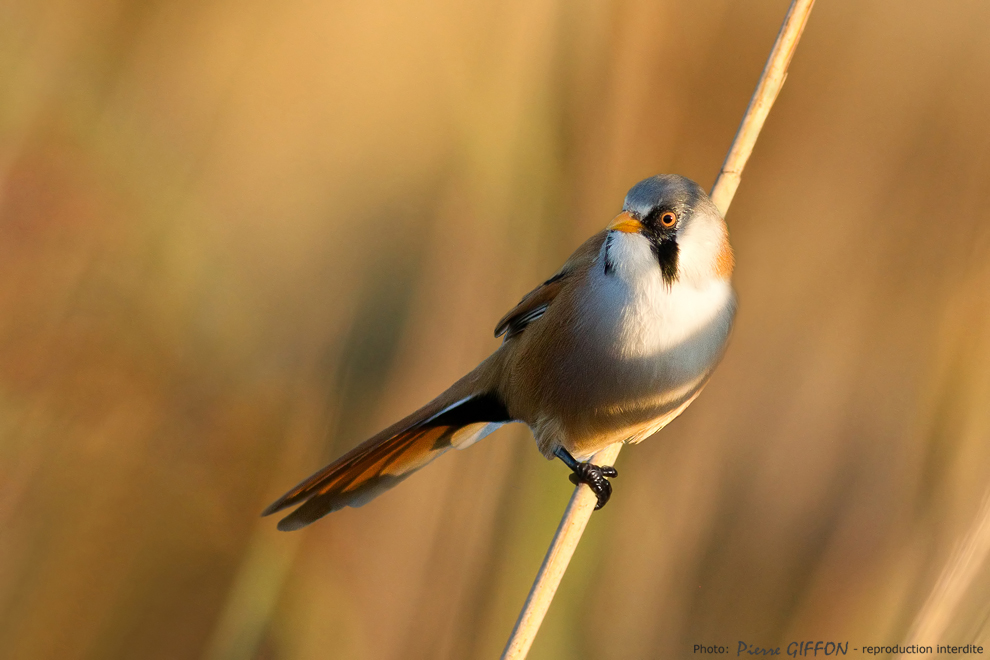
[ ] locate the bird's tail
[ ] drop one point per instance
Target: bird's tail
(383, 461)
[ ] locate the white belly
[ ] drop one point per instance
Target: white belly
(637, 318)
(647, 347)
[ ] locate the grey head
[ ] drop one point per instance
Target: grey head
(683, 226)
(649, 198)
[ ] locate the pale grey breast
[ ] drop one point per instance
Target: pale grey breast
(644, 345)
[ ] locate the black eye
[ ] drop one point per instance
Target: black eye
(668, 219)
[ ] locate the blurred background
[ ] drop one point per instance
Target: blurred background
(237, 238)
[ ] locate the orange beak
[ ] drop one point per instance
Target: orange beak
(625, 223)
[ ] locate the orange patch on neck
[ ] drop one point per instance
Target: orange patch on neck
(725, 261)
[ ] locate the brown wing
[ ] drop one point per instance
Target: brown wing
(535, 303)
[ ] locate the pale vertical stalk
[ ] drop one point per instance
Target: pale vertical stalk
(583, 501)
(772, 79)
(966, 561)
(562, 548)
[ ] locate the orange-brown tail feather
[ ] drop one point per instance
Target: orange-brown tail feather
(386, 459)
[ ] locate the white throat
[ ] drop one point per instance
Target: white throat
(635, 311)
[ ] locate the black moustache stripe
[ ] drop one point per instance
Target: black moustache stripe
(609, 266)
(666, 251)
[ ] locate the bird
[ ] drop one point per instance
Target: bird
(611, 348)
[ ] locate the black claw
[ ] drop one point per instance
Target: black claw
(594, 476)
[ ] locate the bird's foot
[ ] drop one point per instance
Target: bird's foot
(595, 477)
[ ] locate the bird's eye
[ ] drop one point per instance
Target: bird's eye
(668, 219)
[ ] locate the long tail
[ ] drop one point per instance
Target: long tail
(383, 461)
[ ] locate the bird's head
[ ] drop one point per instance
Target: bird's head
(685, 231)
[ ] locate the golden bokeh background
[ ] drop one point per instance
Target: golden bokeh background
(237, 238)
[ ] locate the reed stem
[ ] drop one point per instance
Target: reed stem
(583, 501)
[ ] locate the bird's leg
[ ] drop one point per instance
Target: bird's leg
(593, 475)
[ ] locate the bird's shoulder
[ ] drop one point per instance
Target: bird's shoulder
(535, 303)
